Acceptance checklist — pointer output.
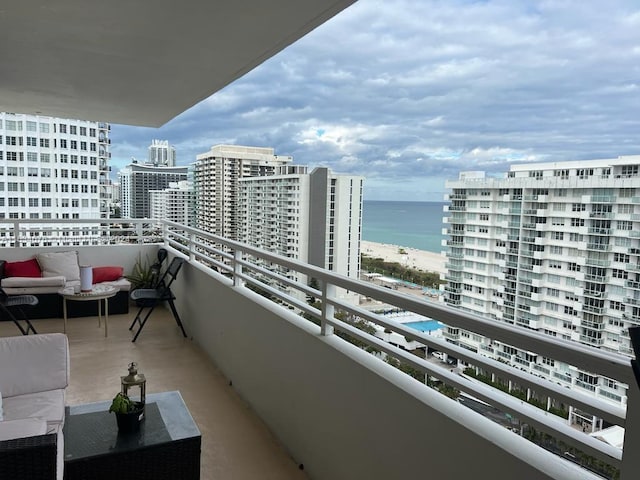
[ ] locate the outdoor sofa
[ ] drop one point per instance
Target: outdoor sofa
(33, 381)
(47, 273)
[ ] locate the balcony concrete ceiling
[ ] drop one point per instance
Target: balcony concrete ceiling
(139, 62)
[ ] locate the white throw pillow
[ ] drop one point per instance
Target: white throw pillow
(60, 263)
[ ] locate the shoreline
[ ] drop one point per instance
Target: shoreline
(412, 258)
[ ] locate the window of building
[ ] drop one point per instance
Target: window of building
(584, 172)
(575, 237)
(616, 305)
(625, 208)
(621, 257)
(625, 224)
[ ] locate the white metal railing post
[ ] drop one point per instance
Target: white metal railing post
(237, 268)
(328, 310)
(139, 232)
(192, 247)
(630, 468)
(16, 234)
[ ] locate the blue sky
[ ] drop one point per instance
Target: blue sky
(408, 93)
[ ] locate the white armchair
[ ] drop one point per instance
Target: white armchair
(33, 380)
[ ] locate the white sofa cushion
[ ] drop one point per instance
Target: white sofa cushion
(121, 284)
(38, 363)
(64, 264)
(49, 406)
(22, 428)
(33, 282)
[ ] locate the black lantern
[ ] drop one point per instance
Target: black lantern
(134, 379)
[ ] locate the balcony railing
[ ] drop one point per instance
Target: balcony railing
(303, 379)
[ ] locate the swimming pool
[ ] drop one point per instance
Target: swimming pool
(425, 325)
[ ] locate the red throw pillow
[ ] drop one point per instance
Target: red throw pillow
(106, 274)
(26, 268)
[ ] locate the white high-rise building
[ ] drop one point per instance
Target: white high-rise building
(216, 177)
(53, 168)
(137, 180)
(176, 203)
(161, 154)
(313, 217)
(552, 247)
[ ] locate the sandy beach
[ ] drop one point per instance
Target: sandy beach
(413, 258)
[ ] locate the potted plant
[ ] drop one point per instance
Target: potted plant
(143, 274)
(129, 414)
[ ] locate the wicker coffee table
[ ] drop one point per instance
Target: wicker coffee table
(166, 447)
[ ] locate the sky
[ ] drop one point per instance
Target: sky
(408, 93)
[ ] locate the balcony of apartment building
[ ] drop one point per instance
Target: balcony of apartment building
(277, 395)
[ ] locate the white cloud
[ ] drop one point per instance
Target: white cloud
(409, 92)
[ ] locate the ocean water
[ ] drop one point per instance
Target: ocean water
(407, 224)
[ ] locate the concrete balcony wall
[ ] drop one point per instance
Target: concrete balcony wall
(340, 411)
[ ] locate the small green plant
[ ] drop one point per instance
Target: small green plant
(122, 404)
(142, 275)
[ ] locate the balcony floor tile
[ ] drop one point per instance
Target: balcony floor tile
(235, 442)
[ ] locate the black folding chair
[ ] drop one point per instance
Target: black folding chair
(11, 310)
(150, 297)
